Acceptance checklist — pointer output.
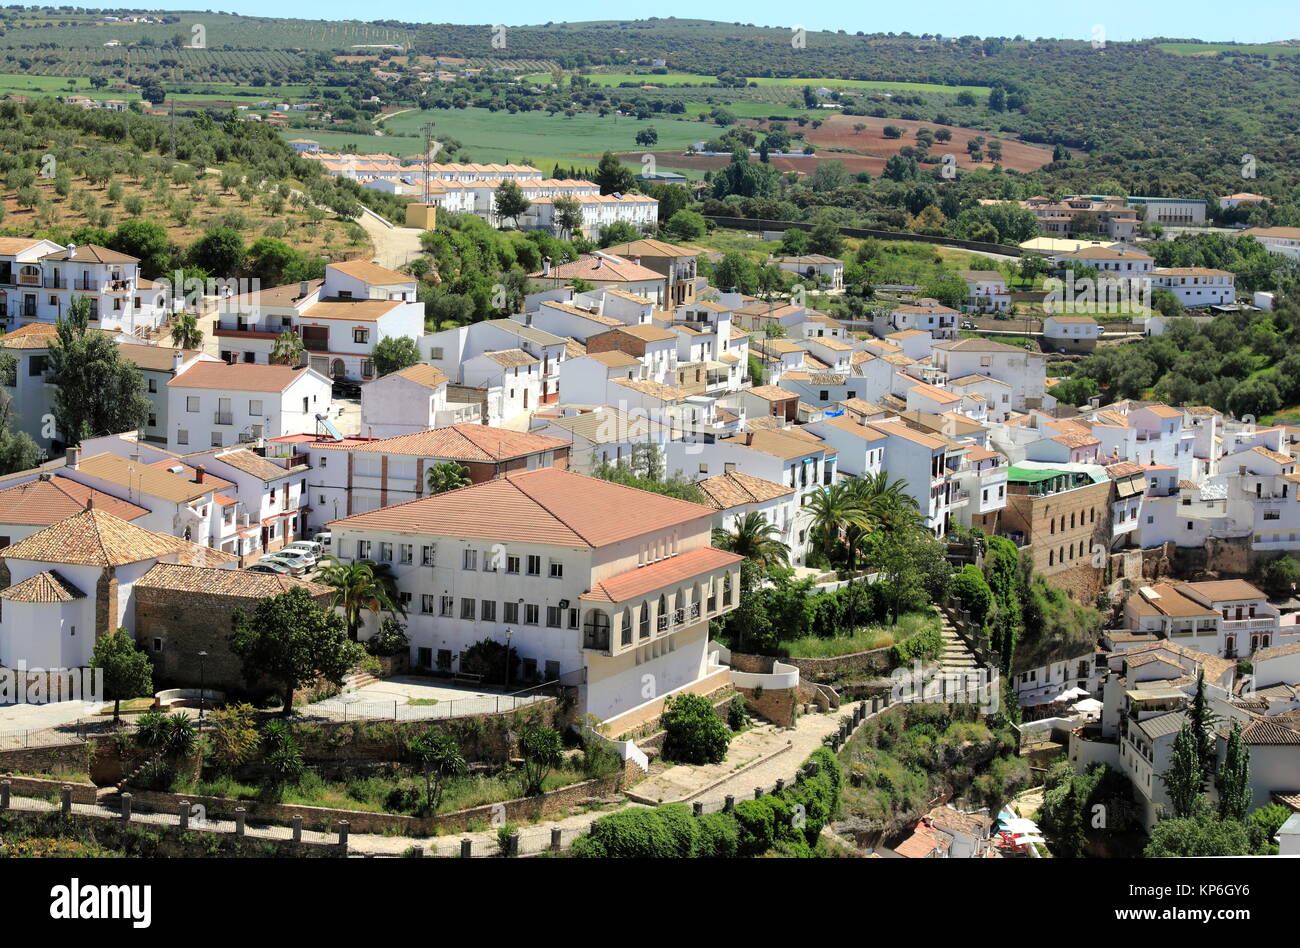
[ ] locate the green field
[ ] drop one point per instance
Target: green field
(1213, 49)
(544, 139)
(689, 79)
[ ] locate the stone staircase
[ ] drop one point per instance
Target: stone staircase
(957, 657)
(358, 679)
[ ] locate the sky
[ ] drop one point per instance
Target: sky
(1259, 21)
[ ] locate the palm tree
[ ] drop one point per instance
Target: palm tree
(186, 333)
(884, 502)
(833, 510)
(447, 476)
(288, 348)
(362, 585)
(754, 539)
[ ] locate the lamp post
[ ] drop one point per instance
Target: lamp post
(203, 685)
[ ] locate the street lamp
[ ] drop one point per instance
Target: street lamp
(203, 686)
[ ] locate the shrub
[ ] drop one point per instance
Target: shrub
(389, 640)
(922, 647)
(694, 733)
(756, 822)
(719, 836)
(737, 713)
(233, 737)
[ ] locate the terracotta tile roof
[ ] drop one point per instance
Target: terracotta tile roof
(542, 506)
(647, 579)
(239, 377)
(421, 374)
(584, 313)
(978, 345)
(31, 336)
(865, 432)
(909, 434)
(1273, 455)
(612, 269)
(370, 273)
(464, 442)
(281, 297)
(239, 583)
(48, 586)
(733, 488)
(784, 443)
(614, 359)
(666, 393)
(178, 466)
(153, 358)
(91, 253)
(242, 459)
(367, 311)
(923, 843)
(1124, 469)
(152, 479)
(1268, 730)
(648, 333)
(94, 538)
(14, 245)
(609, 425)
(649, 247)
(1225, 590)
(573, 348)
(1075, 439)
(772, 393)
(935, 394)
(48, 500)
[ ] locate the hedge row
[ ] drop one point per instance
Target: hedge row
(789, 821)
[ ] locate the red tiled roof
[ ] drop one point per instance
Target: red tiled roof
(542, 506)
(647, 579)
(46, 501)
(465, 442)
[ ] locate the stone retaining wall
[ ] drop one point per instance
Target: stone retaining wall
(49, 788)
(325, 819)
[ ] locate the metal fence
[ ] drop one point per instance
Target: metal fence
(340, 708)
(56, 735)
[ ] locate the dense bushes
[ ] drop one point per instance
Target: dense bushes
(694, 734)
(789, 821)
(971, 588)
(923, 647)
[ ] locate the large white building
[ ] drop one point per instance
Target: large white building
(588, 580)
(215, 404)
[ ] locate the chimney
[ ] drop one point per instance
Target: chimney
(600, 261)
(71, 249)
(178, 357)
(90, 501)
(546, 266)
(1241, 469)
(749, 438)
(304, 288)
(74, 456)
(637, 260)
(198, 474)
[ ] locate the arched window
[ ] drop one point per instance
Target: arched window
(663, 613)
(595, 631)
(726, 589)
(626, 638)
(645, 620)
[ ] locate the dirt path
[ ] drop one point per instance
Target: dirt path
(394, 246)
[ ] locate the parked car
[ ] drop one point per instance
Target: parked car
(324, 539)
(268, 566)
(310, 547)
(296, 565)
(968, 325)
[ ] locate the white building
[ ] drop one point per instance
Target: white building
(589, 581)
(214, 404)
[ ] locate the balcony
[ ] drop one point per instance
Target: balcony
(595, 636)
(240, 330)
(1238, 625)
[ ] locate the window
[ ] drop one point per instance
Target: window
(557, 569)
(467, 608)
(157, 644)
(488, 610)
(512, 564)
(404, 552)
(216, 439)
(363, 549)
(554, 617)
(643, 630)
(435, 353)
(427, 555)
(153, 420)
(444, 659)
(532, 614)
(470, 559)
(573, 618)
(445, 605)
(153, 385)
(534, 565)
(192, 403)
(426, 604)
(510, 611)
(361, 336)
(385, 551)
(255, 407)
(367, 368)
(404, 598)
(182, 436)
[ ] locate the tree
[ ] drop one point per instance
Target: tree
(647, 137)
(1281, 576)
(220, 252)
(568, 216)
(694, 734)
(287, 348)
(293, 641)
(148, 241)
(97, 391)
(128, 673)
(1205, 836)
(754, 538)
(510, 201)
(686, 225)
(439, 759)
(232, 736)
(612, 176)
(447, 476)
(832, 509)
(1233, 778)
(1184, 780)
(541, 749)
(1202, 721)
(363, 585)
(186, 333)
(394, 353)
(18, 452)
